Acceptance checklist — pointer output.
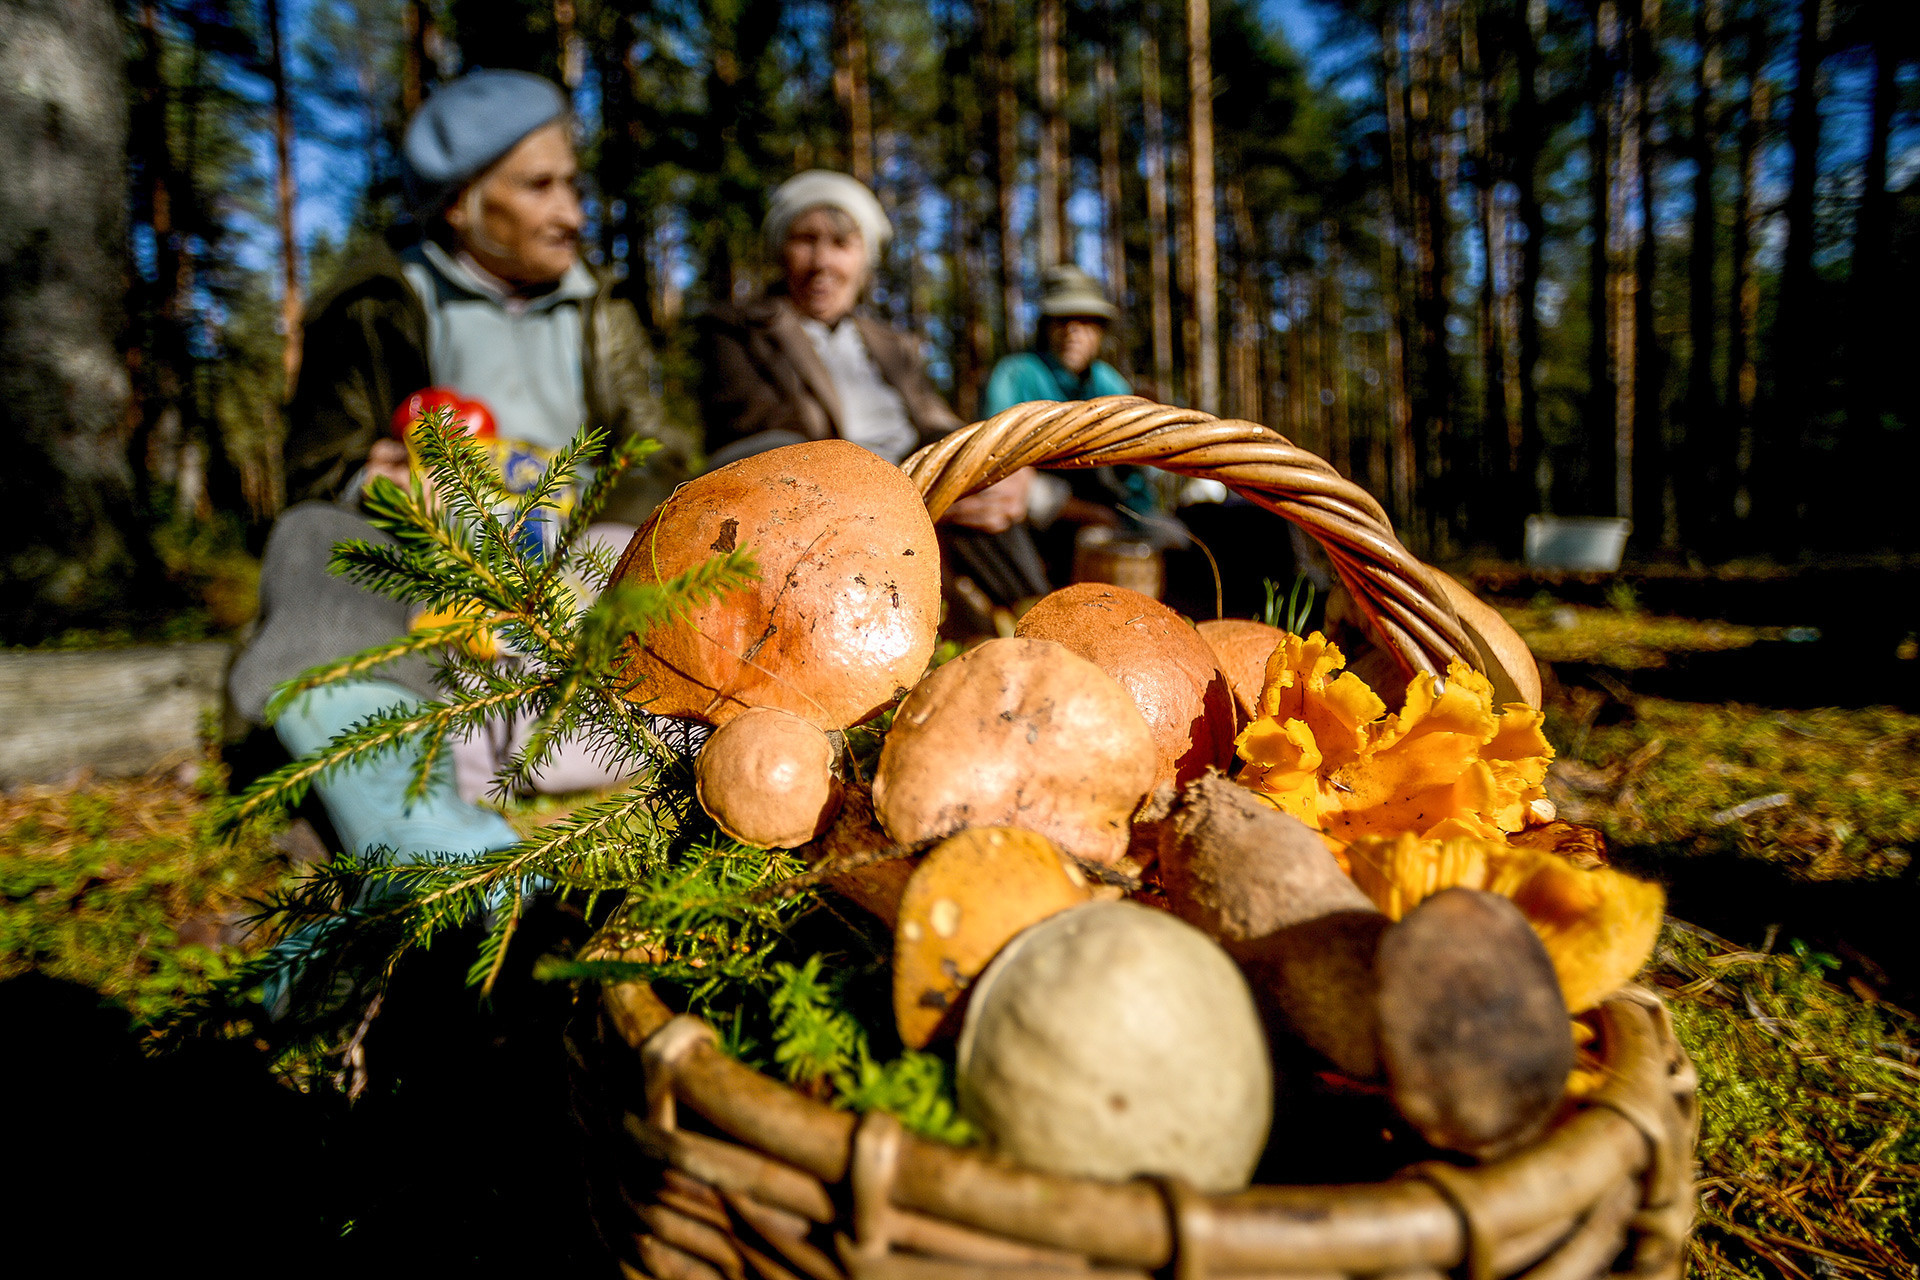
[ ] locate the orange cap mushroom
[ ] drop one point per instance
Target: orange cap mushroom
(766, 777)
(1242, 647)
(967, 897)
(843, 618)
(1020, 733)
(1158, 658)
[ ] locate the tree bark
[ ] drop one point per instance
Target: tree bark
(1703, 418)
(1006, 152)
(1743, 374)
(413, 74)
(1796, 342)
(1159, 269)
(1600, 389)
(67, 487)
(1396, 218)
(1652, 490)
(284, 197)
(850, 86)
(1872, 236)
(1529, 141)
(1206, 292)
(1113, 233)
(1052, 179)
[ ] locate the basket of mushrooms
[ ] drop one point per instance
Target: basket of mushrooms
(1244, 960)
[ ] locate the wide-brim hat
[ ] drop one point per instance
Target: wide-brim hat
(1067, 291)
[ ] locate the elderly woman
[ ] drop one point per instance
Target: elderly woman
(804, 363)
(493, 305)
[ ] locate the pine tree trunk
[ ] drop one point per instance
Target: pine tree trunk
(1433, 398)
(850, 86)
(1206, 290)
(1499, 407)
(1796, 343)
(1158, 267)
(418, 20)
(1396, 218)
(1743, 374)
(1623, 280)
(1335, 379)
(1868, 272)
(1051, 176)
(1652, 490)
(1600, 390)
(1529, 141)
(1183, 270)
(1703, 418)
(284, 197)
(999, 25)
(1113, 233)
(67, 488)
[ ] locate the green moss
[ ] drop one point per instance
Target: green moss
(97, 883)
(1852, 810)
(1810, 1113)
(1622, 636)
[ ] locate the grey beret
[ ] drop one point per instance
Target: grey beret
(467, 125)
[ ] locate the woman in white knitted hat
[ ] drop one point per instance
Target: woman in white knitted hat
(804, 362)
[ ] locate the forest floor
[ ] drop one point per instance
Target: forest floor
(1783, 830)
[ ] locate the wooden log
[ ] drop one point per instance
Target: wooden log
(118, 712)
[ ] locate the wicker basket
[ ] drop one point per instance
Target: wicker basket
(704, 1169)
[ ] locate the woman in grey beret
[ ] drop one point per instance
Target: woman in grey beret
(804, 362)
(492, 304)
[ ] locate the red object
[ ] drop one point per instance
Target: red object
(471, 414)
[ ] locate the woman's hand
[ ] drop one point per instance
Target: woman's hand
(996, 508)
(388, 458)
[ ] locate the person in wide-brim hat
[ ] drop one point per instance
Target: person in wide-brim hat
(1065, 364)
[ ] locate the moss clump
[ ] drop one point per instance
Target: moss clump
(98, 883)
(1851, 810)
(1622, 637)
(1809, 1155)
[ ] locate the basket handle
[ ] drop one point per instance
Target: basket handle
(1405, 609)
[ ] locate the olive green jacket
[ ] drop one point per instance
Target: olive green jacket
(365, 351)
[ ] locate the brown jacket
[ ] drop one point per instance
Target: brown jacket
(760, 373)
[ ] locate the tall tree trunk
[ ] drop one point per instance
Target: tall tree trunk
(1652, 508)
(999, 24)
(1113, 234)
(284, 197)
(1052, 178)
(1159, 270)
(1529, 140)
(1206, 290)
(1600, 407)
(1395, 219)
(1499, 406)
(418, 20)
(1703, 420)
(850, 85)
(1797, 342)
(1868, 271)
(1743, 374)
(570, 51)
(74, 544)
(1183, 270)
(1623, 278)
(1433, 398)
(1337, 376)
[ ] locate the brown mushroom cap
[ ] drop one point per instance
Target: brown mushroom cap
(1160, 660)
(844, 615)
(1510, 664)
(1017, 733)
(969, 895)
(1242, 647)
(766, 777)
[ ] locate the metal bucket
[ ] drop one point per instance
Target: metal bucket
(1581, 544)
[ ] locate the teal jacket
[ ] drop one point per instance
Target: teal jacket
(1035, 376)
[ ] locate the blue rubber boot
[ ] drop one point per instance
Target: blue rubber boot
(367, 802)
